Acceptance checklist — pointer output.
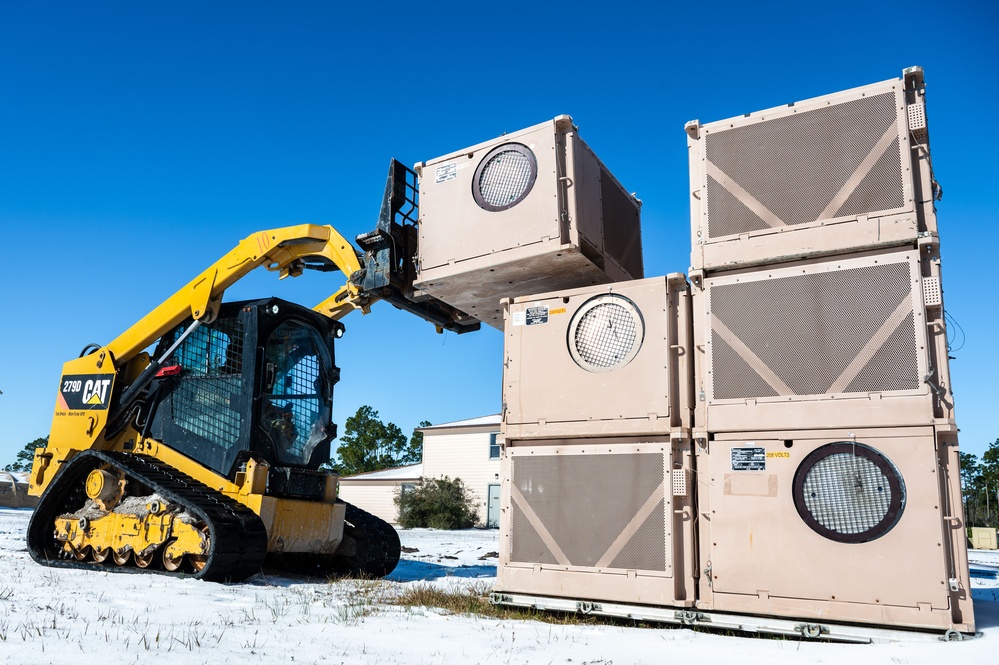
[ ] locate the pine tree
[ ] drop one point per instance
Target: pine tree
(989, 484)
(26, 455)
(414, 451)
(368, 445)
(980, 485)
(971, 477)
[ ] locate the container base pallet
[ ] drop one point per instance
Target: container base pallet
(723, 621)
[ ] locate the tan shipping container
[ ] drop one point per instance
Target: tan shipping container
(528, 212)
(599, 361)
(835, 174)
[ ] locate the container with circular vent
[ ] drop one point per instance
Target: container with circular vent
(854, 525)
(530, 211)
(599, 361)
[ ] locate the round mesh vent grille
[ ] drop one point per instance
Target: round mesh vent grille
(504, 177)
(849, 492)
(605, 333)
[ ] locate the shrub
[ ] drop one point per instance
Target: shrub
(437, 503)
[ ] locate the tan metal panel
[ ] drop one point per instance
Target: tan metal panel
(558, 531)
(528, 212)
(453, 228)
(764, 558)
(839, 173)
(826, 343)
(599, 361)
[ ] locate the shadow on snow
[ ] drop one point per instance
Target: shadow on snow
(412, 571)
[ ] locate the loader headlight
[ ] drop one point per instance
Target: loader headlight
(504, 177)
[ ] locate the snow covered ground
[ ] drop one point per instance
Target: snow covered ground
(49, 615)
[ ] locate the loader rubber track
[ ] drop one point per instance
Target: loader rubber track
(378, 546)
(238, 539)
(373, 541)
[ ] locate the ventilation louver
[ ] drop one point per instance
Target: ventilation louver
(504, 177)
(605, 333)
(849, 492)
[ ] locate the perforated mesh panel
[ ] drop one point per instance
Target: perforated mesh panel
(505, 178)
(878, 190)
(733, 376)
(846, 493)
(849, 492)
(293, 406)
(917, 116)
(605, 333)
(796, 165)
(583, 503)
(932, 295)
(203, 401)
(893, 367)
(622, 226)
(679, 482)
(848, 330)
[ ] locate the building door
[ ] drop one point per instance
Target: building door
(493, 510)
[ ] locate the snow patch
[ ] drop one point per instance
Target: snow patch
(52, 615)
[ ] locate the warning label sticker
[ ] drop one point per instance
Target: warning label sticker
(446, 172)
(537, 315)
(518, 318)
(749, 458)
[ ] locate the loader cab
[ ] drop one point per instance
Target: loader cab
(256, 382)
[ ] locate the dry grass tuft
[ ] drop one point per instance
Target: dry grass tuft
(474, 601)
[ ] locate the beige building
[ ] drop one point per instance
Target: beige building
(465, 449)
(375, 492)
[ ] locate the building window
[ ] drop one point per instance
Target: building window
(494, 448)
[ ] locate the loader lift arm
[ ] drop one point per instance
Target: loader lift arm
(120, 370)
(287, 251)
(387, 272)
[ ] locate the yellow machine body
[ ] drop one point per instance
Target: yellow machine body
(112, 517)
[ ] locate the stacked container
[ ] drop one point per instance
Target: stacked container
(598, 467)
(824, 428)
(773, 441)
(527, 212)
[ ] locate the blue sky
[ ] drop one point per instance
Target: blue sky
(140, 141)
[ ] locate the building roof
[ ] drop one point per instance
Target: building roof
(410, 472)
(481, 421)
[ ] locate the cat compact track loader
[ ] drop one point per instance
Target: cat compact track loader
(204, 457)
